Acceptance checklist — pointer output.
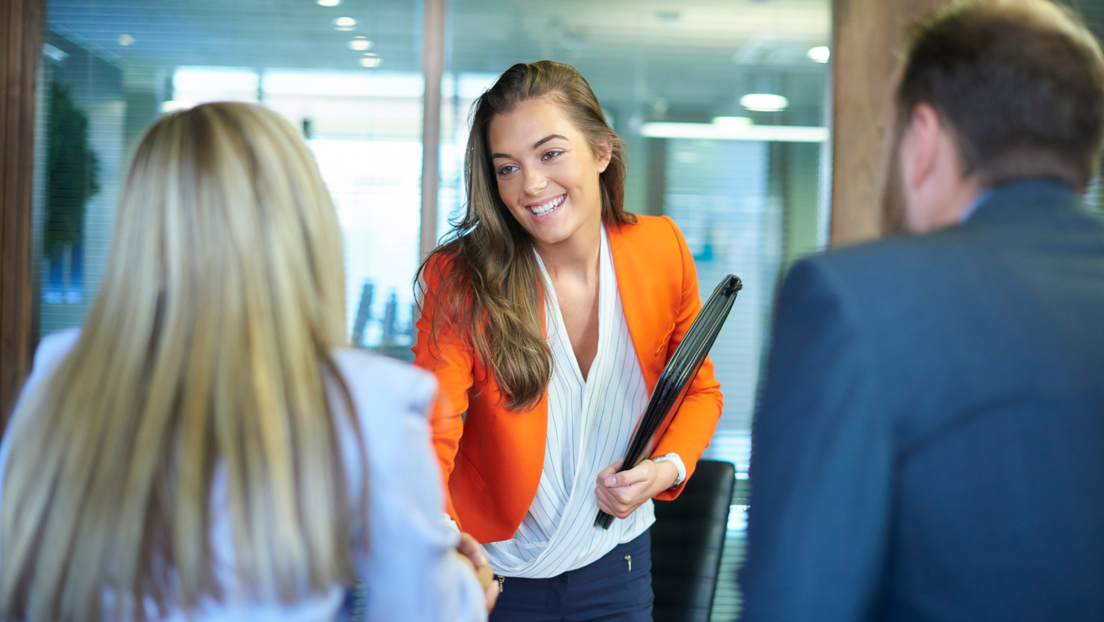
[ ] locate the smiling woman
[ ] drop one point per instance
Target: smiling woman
(547, 319)
(493, 244)
(551, 186)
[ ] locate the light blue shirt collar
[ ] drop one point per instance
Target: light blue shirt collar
(972, 207)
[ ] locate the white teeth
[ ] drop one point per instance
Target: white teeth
(547, 208)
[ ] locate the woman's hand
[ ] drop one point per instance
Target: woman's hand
(472, 552)
(619, 494)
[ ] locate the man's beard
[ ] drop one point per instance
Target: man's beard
(893, 195)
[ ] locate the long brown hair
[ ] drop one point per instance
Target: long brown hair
(204, 352)
(489, 282)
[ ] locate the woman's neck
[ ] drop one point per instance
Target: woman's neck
(575, 257)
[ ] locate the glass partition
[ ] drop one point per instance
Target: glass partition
(348, 76)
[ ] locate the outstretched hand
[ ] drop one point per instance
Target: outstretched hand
(619, 494)
(471, 552)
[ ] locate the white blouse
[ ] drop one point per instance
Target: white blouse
(590, 423)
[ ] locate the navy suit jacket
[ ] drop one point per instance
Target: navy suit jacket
(929, 443)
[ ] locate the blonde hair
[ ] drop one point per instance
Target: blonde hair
(207, 349)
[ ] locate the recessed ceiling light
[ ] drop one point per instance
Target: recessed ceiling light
(329, 2)
(344, 23)
(360, 44)
(764, 102)
(125, 40)
(820, 54)
(370, 60)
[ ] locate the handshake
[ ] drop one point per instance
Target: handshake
(471, 553)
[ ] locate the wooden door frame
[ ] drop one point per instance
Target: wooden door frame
(21, 33)
(868, 36)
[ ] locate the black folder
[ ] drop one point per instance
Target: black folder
(679, 374)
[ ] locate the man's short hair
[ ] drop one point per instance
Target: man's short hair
(1019, 82)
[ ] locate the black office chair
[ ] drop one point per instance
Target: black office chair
(687, 542)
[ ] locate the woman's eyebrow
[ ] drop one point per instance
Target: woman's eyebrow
(548, 138)
(535, 145)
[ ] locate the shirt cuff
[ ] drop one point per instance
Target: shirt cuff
(675, 460)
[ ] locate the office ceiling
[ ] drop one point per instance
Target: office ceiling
(675, 57)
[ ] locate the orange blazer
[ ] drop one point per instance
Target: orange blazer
(492, 457)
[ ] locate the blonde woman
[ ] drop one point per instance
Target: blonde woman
(204, 448)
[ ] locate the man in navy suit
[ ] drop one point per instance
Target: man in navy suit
(929, 443)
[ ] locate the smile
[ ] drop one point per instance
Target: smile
(547, 207)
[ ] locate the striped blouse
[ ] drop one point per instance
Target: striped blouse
(590, 423)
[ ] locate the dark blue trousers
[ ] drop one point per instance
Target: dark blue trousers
(605, 591)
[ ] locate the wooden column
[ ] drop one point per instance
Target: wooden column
(21, 25)
(869, 38)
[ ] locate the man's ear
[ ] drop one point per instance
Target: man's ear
(922, 143)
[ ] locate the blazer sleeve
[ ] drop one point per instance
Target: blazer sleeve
(448, 357)
(822, 463)
(410, 570)
(689, 432)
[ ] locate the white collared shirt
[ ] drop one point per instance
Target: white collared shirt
(590, 423)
